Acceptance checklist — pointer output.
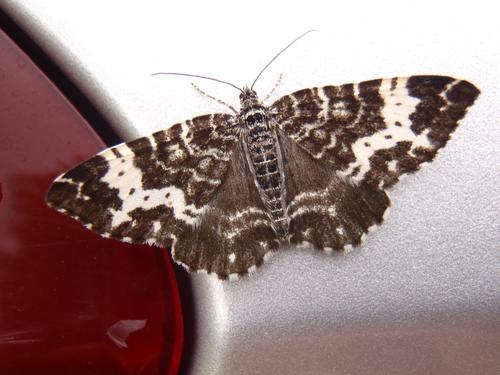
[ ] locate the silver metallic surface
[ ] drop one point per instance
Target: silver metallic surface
(422, 294)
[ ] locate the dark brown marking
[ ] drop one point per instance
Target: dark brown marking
(116, 152)
(434, 112)
(190, 213)
(101, 197)
(378, 164)
(394, 83)
(140, 228)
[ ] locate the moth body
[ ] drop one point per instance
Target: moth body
(264, 158)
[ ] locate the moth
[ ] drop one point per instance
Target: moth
(224, 191)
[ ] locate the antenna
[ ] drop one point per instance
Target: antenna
(279, 53)
(197, 76)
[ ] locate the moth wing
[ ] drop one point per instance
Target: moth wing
(325, 210)
(235, 234)
(153, 189)
(375, 131)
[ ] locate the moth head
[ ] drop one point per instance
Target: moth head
(248, 98)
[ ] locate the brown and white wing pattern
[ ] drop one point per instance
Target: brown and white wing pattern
(325, 210)
(235, 234)
(192, 188)
(347, 144)
(375, 131)
(152, 190)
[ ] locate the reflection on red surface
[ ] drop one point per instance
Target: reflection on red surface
(70, 301)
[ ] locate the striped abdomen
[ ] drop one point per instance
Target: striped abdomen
(263, 154)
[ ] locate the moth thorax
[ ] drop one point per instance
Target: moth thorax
(255, 118)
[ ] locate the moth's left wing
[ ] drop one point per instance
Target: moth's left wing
(375, 131)
(235, 234)
(153, 189)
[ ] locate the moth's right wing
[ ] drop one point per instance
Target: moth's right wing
(375, 131)
(153, 189)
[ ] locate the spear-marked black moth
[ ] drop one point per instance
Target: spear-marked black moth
(224, 191)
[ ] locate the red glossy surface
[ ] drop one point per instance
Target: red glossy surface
(70, 301)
